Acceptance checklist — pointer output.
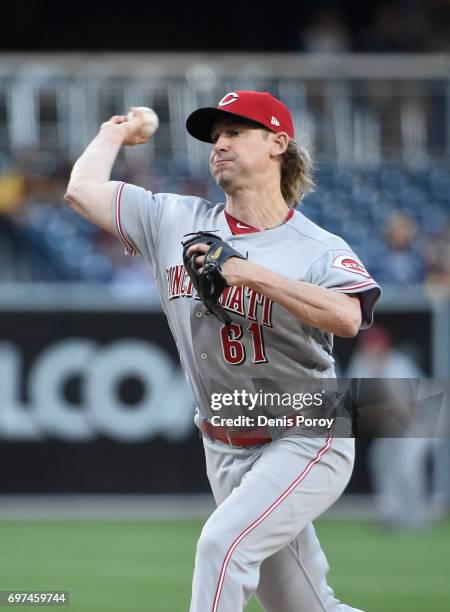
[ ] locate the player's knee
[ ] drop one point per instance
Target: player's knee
(211, 543)
(216, 542)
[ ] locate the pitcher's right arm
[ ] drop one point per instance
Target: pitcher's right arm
(90, 190)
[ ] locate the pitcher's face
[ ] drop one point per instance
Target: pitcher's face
(240, 153)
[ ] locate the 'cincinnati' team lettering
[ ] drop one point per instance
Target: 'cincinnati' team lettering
(240, 300)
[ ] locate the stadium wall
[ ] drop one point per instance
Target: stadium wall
(93, 400)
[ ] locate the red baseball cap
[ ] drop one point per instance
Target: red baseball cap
(258, 106)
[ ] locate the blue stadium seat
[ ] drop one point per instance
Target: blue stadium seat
(355, 203)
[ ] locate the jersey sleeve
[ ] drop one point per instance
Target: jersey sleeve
(146, 222)
(340, 270)
(135, 217)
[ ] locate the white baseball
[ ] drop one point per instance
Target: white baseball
(151, 121)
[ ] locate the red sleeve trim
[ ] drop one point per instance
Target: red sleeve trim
(128, 246)
(354, 286)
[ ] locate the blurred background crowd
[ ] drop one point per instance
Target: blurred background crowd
(377, 125)
(395, 217)
(399, 26)
(323, 26)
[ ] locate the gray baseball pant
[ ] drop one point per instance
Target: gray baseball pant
(260, 538)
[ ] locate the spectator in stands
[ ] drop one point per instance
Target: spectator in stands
(326, 34)
(11, 190)
(437, 259)
(376, 357)
(396, 27)
(403, 262)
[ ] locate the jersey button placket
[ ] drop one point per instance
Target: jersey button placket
(201, 338)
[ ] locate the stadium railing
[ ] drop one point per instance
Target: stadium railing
(356, 109)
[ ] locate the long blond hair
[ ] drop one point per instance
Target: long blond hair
(296, 174)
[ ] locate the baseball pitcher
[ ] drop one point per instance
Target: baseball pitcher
(253, 292)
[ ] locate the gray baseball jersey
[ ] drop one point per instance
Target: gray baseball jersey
(260, 539)
(264, 341)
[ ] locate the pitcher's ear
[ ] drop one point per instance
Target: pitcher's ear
(280, 143)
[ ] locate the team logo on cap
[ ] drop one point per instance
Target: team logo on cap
(344, 262)
(229, 98)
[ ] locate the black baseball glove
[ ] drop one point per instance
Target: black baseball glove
(208, 281)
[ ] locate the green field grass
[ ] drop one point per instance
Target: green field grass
(147, 566)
